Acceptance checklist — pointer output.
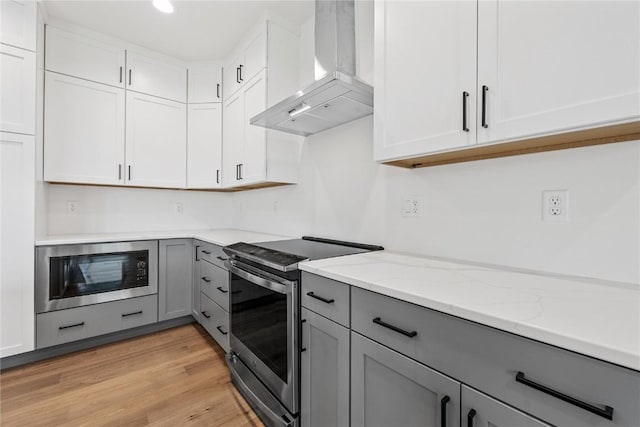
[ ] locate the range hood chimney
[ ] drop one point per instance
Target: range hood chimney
(337, 96)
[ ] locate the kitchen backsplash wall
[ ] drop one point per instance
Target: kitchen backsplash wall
(486, 211)
(113, 209)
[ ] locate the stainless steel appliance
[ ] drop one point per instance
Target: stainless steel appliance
(337, 96)
(76, 275)
(265, 320)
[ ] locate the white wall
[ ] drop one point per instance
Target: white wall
(486, 211)
(113, 209)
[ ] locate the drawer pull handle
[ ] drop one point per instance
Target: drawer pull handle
(206, 252)
(319, 298)
(409, 334)
(221, 258)
(221, 289)
(75, 325)
(470, 416)
(485, 89)
(443, 411)
(223, 332)
(132, 314)
(607, 412)
(206, 279)
(204, 313)
(465, 95)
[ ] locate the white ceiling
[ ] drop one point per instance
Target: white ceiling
(196, 30)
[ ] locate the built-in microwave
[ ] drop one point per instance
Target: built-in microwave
(75, 275)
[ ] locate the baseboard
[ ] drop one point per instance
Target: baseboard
(49, 352)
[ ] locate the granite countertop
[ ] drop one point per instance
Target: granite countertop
(220, 237)
(595, 318)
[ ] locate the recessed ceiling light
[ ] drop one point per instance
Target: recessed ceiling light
(163, 6)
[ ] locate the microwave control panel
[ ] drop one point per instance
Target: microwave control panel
(142, 271)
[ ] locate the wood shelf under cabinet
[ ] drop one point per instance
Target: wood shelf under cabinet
(575, 139)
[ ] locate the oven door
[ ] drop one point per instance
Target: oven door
(263, 329)
(77, 275)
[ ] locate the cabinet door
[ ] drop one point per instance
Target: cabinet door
(254, 57)
(231, 75)
(175, 279)
(156, 142)
(389, 389)
(83, 131)
(17, 175)
(83, 57)
(550, 66)
(205, 84)
(480, 410)
(204, 146)
(17, 90)
(156, 77)
(195, 287)
(425, 62)
(325, 372)
(253, 165)
(18, 23)
(233, 139)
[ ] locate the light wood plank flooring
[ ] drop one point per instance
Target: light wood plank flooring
(171, 378)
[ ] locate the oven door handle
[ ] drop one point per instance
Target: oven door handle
(258, 280)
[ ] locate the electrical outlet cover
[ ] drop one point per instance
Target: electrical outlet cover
(555, 205)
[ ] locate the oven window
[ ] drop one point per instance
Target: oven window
(259, 321)
(77, 275)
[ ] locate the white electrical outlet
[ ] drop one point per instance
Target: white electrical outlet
(72, 207)
(555, 205)
(412, 206)
(179, 208)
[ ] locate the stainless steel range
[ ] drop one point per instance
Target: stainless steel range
(265, 320)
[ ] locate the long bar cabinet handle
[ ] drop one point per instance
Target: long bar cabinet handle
(485, 89)
(75, 325)
(132, 314)
(607, 412)
(409, 334)
(465, 95)
(443, 411)
(319, 298)
(470, 416)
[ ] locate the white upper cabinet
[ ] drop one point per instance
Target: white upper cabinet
(83, 57)
(551, 66)
(425, 79)
(204, 146)
(231, 73)
(253, 168)
(84, 131)
(205, 83)
(156, 147)
(451, 75)
(247, 61)
(153, 76)
(233, 139)
(18, 23)
(17, 90)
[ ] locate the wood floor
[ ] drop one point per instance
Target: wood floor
(171, 378)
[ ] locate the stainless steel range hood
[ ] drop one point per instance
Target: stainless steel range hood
(337, 96)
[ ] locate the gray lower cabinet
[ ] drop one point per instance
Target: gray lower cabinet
(325, 372)
(480, 410)
(389, 389)
(72, 324)
(215, 320)
(195, 286)
(175, 279)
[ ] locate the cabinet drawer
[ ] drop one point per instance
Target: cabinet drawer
(58, 327)
(489, 360)
(214, 283)
(215, 320)
(326, 297)
(211, 253)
